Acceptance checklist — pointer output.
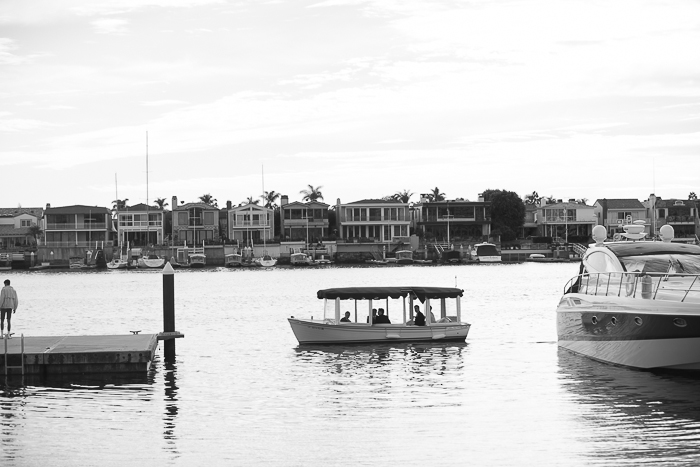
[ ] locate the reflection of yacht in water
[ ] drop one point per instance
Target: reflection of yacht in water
(635, 303)
(633, 416)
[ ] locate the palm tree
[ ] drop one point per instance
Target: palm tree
(160, 202)
(692, 196)
(35, 231)
(403, 196)
(533, 199)
(270, 198)
(250, 200)
(312, 194)
(209, 199)
(436, 195)
(119, 204)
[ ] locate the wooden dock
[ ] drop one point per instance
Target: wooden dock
(59, 355)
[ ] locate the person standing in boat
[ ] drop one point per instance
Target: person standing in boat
(419, 318)
(382, 318)
(8, 305)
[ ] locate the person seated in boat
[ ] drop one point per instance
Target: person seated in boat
(346, 318)
(374, 316)
(432, 316)
(419, 318)
(381, 317)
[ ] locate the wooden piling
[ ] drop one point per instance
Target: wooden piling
(169, 311)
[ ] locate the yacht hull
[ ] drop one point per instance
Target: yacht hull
(645, 334)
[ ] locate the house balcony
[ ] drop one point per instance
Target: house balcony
(679, 220)
(76, 226)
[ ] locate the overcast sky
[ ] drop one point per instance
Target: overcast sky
(573, 99)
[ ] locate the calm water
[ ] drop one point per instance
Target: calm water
(243, 392)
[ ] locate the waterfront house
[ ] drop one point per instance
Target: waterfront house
(194, 223)
(303, 221)
(140, 225)
(566, 221)
(15, 224)
(250, 224)
(614, 214)
(77, 226)
(680, 214)
(374, 221)
(457, 220)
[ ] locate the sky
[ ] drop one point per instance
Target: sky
(144, 99)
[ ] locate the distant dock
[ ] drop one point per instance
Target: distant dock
(61, 355)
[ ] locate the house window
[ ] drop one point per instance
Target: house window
(25, 223)
(208, 218)
(624, 214)
(182, 218)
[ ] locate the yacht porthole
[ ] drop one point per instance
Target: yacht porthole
(594, 320)
(638, 320)
(680, 322)
(613, 320)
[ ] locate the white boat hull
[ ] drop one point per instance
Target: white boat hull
(151, 262)
(638, 333)
(117, 264)
(325, 332)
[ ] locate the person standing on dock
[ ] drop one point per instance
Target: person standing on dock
(8, 305)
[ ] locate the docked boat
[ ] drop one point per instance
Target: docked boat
(117, 263)
(404, 257)
(5, 261)
(266, 260)
(297, 258)
(450, 257)
(634, 303)
(233, 260)
(486, 253)
(197, 259)
(149, 259)
(338, 326)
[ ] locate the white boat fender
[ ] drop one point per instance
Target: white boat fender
(629, 284)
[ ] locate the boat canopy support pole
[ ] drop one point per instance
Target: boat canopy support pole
(356, 311)
(459, 310)
(337, 310)
(325, 303)
(443, 308)
(428, 320)
(404, 309)
(369, 312)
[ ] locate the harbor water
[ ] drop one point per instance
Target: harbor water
(243, 392)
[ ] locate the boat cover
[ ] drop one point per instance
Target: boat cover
(623, 249)
(375, 293)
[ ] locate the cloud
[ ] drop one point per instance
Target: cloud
(6, 56)
(161, 103)
(110, 26)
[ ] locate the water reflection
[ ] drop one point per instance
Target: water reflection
(399, 375)
(633, 417)
(171, 408)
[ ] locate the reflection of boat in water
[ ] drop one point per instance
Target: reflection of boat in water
(635, 303)
(486, 253)
(620, 408)
(334, 330)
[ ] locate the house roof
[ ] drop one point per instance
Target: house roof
(670, 203)
(77, 209)
(249, 207)
(140, 207)
(566, 205)
(298, 203)
(620, 203)
(14, 212)
(378, 201)
(10, 231)
(186, 206)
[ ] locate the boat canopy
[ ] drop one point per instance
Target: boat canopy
(623, 249)
(375, 293)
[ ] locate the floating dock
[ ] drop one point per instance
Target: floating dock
(60, 355)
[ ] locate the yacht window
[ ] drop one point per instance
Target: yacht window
(685, 264)
(599, 261)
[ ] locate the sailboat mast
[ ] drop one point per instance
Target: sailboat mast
(148, 220)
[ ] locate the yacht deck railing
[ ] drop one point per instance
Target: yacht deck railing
(653, 286)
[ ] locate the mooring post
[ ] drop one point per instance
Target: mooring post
(169, 311)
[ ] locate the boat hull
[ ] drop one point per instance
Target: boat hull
(151, 262)
(645, 334)
(320, 332)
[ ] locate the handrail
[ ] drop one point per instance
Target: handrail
(627, 284)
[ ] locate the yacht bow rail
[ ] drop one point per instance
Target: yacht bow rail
(653, 286)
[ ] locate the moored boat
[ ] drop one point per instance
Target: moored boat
(404, 257)
(266, 260)
(634, 303)
(233, 260)
(333, 329)
(297, 258)
(486, 253)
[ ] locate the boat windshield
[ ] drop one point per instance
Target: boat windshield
(486, 250)
(663, 263)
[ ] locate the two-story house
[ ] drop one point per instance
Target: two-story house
(78, 225)
(194, 223)
(374, 221)
(15, 224)
(566, 221)
(680, 214)
(250, 224)
(140, 225)
(457, 220)
(614, 214)
(303, 221)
